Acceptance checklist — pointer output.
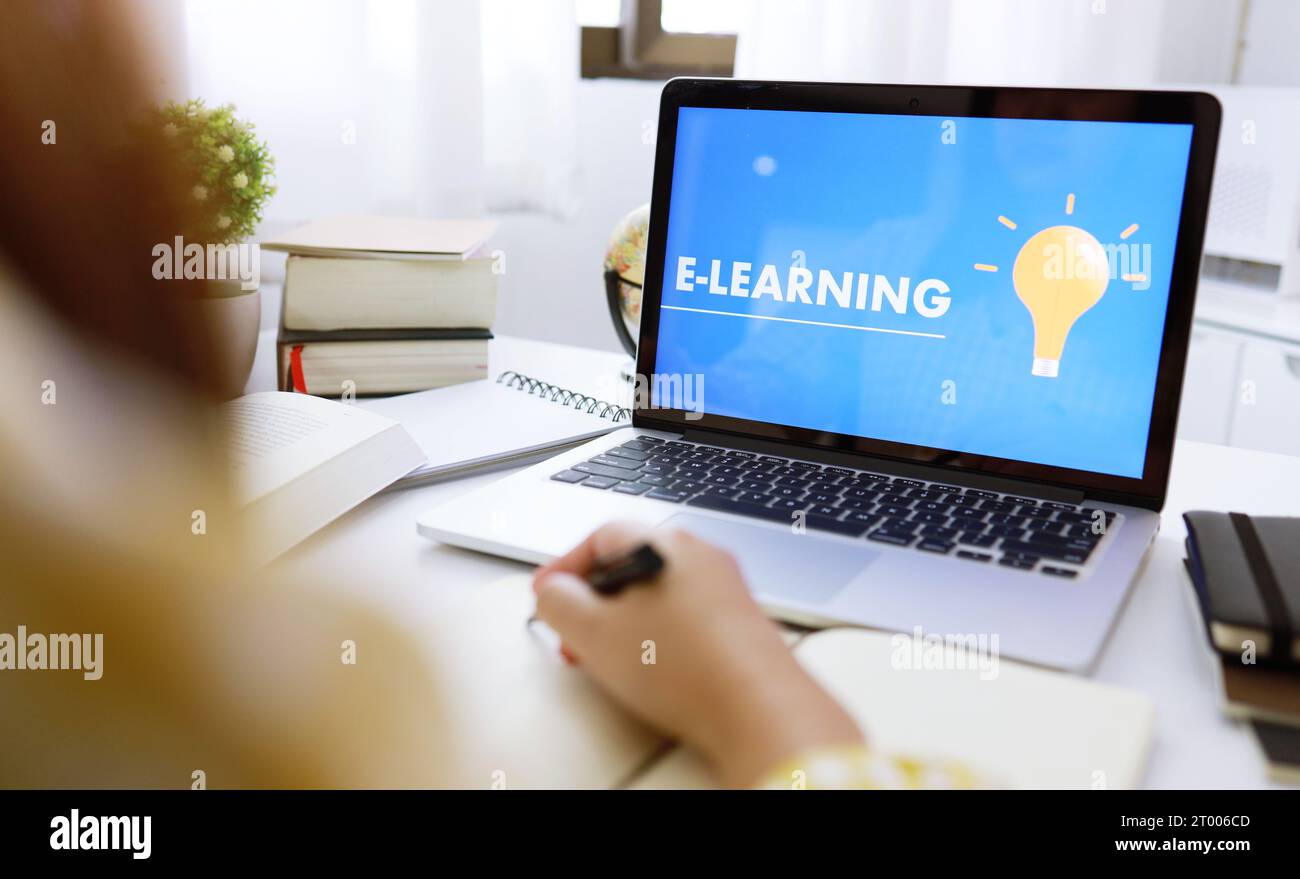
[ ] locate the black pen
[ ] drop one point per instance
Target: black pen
(638, 566)
(611, 577)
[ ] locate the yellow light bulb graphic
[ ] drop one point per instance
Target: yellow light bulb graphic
(1059, 274)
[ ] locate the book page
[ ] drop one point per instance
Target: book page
(274, 437)
(357, 235)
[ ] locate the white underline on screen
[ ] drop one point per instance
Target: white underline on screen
(794, 320)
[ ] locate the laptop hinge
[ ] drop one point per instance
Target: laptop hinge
(907, 469)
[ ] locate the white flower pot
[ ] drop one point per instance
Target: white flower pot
(232, 321)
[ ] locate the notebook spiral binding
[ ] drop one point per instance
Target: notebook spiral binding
(565, 397)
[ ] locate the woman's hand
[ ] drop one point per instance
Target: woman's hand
(691, 653)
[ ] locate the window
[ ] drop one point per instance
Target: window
(658, 39)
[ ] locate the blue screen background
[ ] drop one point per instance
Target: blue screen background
(885, 194)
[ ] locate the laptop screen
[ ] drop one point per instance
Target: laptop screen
(988, 286)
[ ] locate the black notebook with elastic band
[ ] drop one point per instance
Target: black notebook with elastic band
(1246, 570)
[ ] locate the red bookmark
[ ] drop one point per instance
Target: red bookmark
(298, 381)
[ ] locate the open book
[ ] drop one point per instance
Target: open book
(299, 462)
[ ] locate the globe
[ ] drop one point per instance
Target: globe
(625, 274)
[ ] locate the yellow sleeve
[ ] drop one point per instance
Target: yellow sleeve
(857, 767)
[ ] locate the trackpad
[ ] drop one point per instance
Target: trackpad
(782, 564)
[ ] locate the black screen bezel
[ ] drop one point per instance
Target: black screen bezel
(1198, 109)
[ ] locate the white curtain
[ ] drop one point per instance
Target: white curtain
(1020, 42)
(447, 107)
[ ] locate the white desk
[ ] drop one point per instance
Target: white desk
(1158, 646)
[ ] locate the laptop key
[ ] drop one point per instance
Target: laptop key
(754, 511)
(931, 545)
(651, 479)
(601, 470)
(752, 497)
(829, 523)
(631, 488)
(1061, 542)
(979, 540)
(1023, 564)
(1044, 526)
(667, 494)
(1054, 571)
(789, 505)
(888, 537)
(903, 526)
(611, 461)
(865, 494)
(625, 452)
(973, 556)
(1060, 554)
(1023, 556)
(569, 476)
(599, 482)
(727, 471)
(827, 510)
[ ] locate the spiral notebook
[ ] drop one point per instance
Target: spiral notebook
(491, 424)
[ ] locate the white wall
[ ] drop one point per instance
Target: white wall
(553, 288)
(1272, 31)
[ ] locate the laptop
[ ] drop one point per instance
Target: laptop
(912, 354)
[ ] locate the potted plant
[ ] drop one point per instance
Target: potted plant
(230, 176)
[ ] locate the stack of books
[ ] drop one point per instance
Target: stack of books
(1246, 572)
(379, 305)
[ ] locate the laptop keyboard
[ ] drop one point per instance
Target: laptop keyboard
(979, 526)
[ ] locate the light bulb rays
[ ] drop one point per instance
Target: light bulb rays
(1059, 274)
